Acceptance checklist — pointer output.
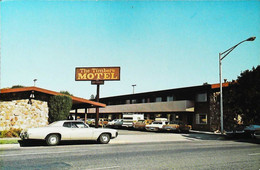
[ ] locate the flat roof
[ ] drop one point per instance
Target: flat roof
(199, 87)
(75, 100)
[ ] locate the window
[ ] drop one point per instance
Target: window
(169, 98)
(127, 102)
(202, 97)
(67, 124)
(201, 118)
(158, 99)
(134, 101)
(80, 125)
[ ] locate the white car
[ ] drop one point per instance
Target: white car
(115, 123)
(156, 125)
(68, 130)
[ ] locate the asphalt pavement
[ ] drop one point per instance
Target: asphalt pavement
(198, 154)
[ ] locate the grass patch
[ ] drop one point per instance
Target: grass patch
(8, 141)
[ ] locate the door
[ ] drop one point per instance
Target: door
(80, 131)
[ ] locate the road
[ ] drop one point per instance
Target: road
(198, 154)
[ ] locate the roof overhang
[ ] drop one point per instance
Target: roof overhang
(77, 102)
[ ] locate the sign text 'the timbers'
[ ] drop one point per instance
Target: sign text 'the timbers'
(97, 73)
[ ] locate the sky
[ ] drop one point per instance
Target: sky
(157, 44)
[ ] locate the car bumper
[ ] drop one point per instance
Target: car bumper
(169, 128)
(112, 137)
(152, 128)
(24, 135)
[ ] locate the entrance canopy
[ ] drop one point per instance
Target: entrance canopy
(44, 95)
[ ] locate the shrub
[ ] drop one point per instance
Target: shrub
(10, 133)
(59, 107)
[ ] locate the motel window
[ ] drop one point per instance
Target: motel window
(158, 99)
(201, 118)
(127, 102)
(134, 101)
(169, 98)
(202, 97)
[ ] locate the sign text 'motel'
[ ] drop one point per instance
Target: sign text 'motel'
(97, 73)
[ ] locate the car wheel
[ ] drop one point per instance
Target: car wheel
(52, 139)
(104, 138)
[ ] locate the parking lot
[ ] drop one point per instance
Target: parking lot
(135, 136)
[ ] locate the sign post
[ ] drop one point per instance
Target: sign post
(97, 76)
(97, 108)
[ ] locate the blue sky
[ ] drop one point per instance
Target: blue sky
(158, 44)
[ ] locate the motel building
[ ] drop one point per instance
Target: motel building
(197, 106)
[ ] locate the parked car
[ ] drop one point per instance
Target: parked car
(140, 124)
(177, 126)
(257, 134)
(102, 122)
(252, 130)
(90, 122)
(236, 131)
(156, 125)
(68, 130)
(116, 123)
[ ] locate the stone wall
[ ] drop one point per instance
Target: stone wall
(19, 114)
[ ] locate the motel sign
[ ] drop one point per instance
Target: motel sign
(97, 73)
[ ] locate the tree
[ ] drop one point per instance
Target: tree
(243, 97)
(92, 97)
(66, 93)
(59, 107)
(16, 86)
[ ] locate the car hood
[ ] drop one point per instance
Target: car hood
(253, 127)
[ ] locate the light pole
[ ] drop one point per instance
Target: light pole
(134, 88)
(34, 81)
(225, 53)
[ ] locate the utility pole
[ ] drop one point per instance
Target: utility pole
(134, 88)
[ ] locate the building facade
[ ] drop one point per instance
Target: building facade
(27, 107)
(196, 106)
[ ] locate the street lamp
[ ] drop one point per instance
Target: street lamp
(134, 88)
(221, 57)
(34, 81)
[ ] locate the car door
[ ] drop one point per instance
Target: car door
(80, 131)
(66, 131)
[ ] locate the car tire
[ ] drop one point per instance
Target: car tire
(52, 139)
(104, 138)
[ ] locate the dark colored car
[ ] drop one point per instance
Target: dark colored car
(236, 131)
(252, 130)
(177, 126)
